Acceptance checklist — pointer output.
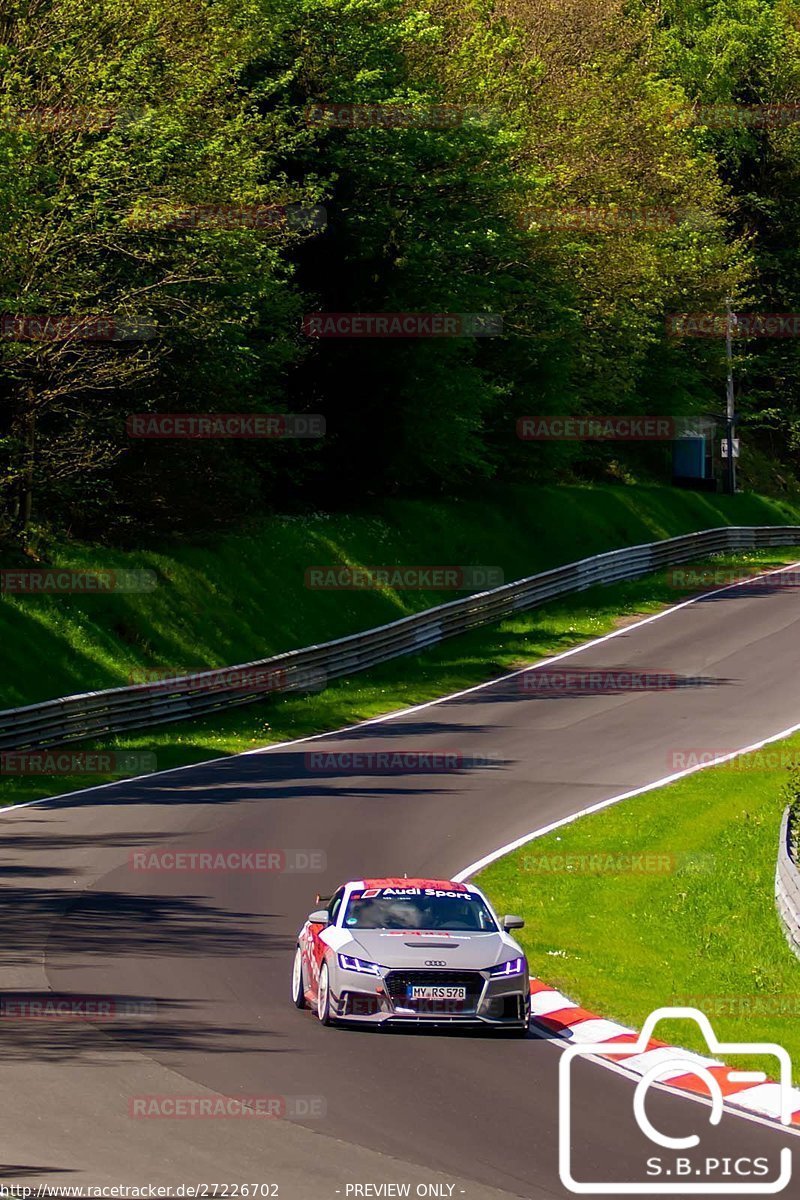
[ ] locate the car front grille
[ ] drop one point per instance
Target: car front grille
(398, 982)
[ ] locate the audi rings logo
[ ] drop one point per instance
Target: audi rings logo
(435, 962)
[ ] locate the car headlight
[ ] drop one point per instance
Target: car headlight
(348, 963)
(514, 966)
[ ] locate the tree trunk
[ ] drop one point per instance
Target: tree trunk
(25, 508)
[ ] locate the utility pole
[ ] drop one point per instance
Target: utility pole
(730, 416)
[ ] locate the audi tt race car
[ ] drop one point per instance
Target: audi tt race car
(419, 951)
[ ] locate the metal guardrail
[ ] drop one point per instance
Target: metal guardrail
(76, 718)
(787, 887)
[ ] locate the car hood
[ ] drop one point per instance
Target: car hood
(407, 948)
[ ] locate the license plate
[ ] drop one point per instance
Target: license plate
(436, 992)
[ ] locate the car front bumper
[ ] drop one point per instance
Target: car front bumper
(501, 1002)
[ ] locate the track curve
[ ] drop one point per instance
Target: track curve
(214, 950)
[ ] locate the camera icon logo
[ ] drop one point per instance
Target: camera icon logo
(685, 1174)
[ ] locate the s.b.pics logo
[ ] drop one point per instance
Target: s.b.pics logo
(681, 1165)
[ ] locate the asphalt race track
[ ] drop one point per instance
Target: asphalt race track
(474, 1114)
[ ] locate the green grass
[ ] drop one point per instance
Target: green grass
(455, 664)
(703, 932)
(244, 596)
(622, 944)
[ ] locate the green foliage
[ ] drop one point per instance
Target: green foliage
(114, 117)
(790, 794)
(738, 55)
(237, 598)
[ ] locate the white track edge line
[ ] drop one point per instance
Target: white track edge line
(473, 868)
(561, 1044)
(554, 1040)
(402, 712)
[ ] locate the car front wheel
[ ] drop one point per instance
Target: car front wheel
(298, 983)
(324, 997)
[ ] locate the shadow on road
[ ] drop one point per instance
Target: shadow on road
(142, 1024)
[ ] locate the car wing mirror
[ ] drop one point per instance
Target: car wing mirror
(319, 917)
(510, 922)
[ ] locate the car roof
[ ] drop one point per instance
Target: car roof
(441, 884)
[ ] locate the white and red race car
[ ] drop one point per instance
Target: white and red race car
(424, 951)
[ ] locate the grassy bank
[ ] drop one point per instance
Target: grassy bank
(455, 664)
(696, 924)
(245, 598)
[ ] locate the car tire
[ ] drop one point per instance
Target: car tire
(298, 982)
(324, 996)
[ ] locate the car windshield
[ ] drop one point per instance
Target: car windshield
(382, 908)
